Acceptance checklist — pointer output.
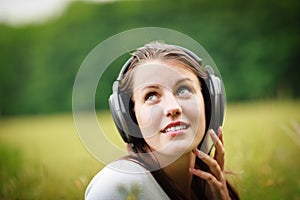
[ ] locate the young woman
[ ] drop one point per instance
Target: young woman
(162, 107)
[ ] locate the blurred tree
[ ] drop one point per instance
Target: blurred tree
(255, 44)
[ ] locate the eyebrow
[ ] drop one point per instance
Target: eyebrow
(149, 86)
(184, 80)
(188, 80)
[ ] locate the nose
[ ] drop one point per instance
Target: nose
(171, 105)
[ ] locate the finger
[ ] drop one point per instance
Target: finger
(211, 163)
(218, 188)
(220, 134)
(206, 176)
(215, 138)
(220, 150)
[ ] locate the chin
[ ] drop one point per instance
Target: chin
(177, 149)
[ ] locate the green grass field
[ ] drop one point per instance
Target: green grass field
(42, 157)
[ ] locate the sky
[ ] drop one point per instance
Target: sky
(22, 12)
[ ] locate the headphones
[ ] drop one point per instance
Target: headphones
(124, 118)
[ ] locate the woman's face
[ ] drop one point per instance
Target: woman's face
(169, 106)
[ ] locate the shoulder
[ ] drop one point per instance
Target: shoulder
(122, 179)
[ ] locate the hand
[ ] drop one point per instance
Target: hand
(216, 177)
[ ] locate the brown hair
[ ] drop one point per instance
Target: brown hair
(161, 51)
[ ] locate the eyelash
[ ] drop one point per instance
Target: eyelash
(156, 94)
(148, 95)
(184, 88)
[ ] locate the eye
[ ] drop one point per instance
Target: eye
(151, 97)
(183, 90)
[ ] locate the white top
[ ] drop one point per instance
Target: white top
(124, 179)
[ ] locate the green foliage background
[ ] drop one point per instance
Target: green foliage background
(255, 44)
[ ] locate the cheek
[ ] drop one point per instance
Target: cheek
(148, 119)
(195, 111)
(144, 121)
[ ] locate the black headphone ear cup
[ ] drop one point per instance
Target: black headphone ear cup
(217, 98)
(216, 95)
(116, 111)
(120, 106)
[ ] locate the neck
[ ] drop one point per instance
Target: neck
(179, 172)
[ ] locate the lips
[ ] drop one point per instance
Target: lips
(175, 127)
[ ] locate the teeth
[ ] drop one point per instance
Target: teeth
(176, 128)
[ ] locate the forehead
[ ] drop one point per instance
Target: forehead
(162, 73)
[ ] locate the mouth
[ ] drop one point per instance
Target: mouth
(175, 128)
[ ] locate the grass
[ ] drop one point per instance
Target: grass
(42, 157)
(260, 145)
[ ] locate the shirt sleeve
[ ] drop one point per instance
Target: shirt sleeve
(124, 180)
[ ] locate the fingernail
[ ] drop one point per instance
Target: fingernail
(199, 153)
(221, 128)
(192, 170)
(220, 131)
(213, 134)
